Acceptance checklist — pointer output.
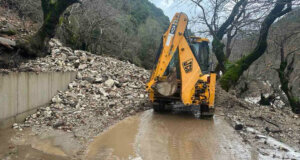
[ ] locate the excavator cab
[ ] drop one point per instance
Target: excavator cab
(200, 49)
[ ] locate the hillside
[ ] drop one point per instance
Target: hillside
(107, 90)
(128, 30)
(103, 111)
(262, 77)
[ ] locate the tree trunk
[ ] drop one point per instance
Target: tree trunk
(217, 44)
(236, 69)
(284, 80)
(229, 41)
(218, 49)
(36, 45)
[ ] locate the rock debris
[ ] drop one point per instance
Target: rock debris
(105, 90)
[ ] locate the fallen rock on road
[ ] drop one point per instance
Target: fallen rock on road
(273, 131)
(105, 90)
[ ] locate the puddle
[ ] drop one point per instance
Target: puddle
(47, 146)
(151, 136)
(25, 146)
(115, 143)
(146, 136)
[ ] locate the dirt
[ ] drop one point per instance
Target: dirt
(262, 132)
(179, 135)
(262, 126)
(148, 135)
(13, 27)
(10, 20)
(22, 151)
(117, 141)
(176, 135)
(169, 136)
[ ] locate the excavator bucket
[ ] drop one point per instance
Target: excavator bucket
(169, 86)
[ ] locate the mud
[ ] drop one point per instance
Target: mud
(149, 136)
(273, 132)
(116, 142)
(23, 151)
(146, 136)
(169, 136)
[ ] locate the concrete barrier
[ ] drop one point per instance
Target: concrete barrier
(22, 93)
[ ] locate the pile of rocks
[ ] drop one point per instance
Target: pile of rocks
(105, 90)
(252, 120)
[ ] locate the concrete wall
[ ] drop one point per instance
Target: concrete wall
(22, 93)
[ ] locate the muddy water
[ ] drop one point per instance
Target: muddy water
(151, 136)
(117, 142)
(15, 146)
(147, 136)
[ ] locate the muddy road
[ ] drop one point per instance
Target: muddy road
(146, 136)
(151, 136)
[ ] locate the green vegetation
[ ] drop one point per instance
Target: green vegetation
(145, 24)
(283, 44)
(130, 30)
(125, 29)
(236, 70)
(284, 80)
(233, 72)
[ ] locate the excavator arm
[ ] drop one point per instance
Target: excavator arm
(173, 41)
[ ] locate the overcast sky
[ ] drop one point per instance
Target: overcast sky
(170, 7)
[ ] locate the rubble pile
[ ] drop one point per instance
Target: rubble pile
(255, 122)
(105, 90)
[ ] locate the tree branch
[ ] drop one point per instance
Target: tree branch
(230, 19)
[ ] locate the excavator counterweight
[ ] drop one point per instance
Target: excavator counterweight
(181, 71)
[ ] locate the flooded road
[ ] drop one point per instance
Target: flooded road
(146, 136)
(151, 136)
(14, 146)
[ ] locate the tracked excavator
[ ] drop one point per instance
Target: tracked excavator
(181, 73)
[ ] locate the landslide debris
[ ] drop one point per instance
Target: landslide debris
(105, 90)
(269, 129)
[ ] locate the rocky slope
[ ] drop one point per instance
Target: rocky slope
(272, 131)
(12, 28)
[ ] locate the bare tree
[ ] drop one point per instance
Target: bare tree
(84, 27)
(286, 42)
(219, 25)
(232, 75)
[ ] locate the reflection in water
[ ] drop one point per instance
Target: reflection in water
(186, 136)
(46, 146)
(116, 143)
(27, 146)
(151, 136)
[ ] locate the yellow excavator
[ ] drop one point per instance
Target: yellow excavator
(181, 73)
